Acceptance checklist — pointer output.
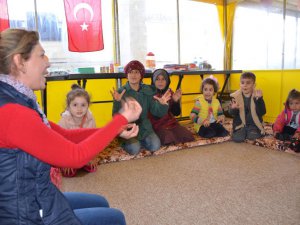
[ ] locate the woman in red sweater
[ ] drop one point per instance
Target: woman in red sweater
(30, 144)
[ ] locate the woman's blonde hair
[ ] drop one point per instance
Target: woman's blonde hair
(15, 41)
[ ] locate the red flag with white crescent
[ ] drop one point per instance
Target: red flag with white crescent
(84, 24)
(4, 20)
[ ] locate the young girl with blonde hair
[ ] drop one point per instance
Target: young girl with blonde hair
(77, 115)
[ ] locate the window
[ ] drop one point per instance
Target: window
(151, 26)
(144, 26)
(257, 38)
(51, 24)
(200, 34)
(20, 14)
(148, 26)
(264, 39)
(292, 41)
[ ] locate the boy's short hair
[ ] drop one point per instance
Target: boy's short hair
(248, 75)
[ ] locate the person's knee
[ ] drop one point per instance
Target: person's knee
(207, 132)
(100, 216)
(132, 148)
(152, 142)
(155, 145)
(119, 218)
(253, 135)
(238, 137)
(99, 200)
(79, 200)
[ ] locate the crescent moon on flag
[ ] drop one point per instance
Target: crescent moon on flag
(83, 6)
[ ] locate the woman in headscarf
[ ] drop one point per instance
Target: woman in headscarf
(167, 127)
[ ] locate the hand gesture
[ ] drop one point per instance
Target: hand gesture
(234, 104)
(221, 119)
(131, 109)
(177, 95)
(116, 95)
(257, 94)
(206, 123)
(165, 98)
(130, 131)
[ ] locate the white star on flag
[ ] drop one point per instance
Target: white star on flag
(84, 26)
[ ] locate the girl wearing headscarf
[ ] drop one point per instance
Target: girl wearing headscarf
(167, 127)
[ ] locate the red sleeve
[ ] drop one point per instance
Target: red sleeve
(21, 127)
(74, 135)
(279, 122)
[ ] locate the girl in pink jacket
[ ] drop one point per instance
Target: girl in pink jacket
(287, 124)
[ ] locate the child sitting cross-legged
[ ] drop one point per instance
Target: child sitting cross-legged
(77, 115)
(207, 113)
(247, 108)
(167, 127)
(287, 124)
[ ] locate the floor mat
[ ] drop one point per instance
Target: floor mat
(114, 153)
(268, 141)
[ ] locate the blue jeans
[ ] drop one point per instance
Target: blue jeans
(151, 143)
(93, 209)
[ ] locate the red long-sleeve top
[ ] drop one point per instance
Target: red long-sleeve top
(23, 128)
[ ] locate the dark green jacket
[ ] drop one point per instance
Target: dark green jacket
(145, 97)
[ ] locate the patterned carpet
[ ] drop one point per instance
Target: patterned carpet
(114, 153)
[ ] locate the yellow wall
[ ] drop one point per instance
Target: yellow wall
(100, 91)
(275, 85)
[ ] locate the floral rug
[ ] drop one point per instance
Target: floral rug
(115, 153)
(268, 141)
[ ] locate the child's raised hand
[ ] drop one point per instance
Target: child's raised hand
(131, 109)
(177, 95)
(206, 123)
(221, 119)
(165, 98)
(116, 95)
(234, 104)
(257, 94)
(130, 131)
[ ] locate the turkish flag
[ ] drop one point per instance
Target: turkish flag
(84, 23)
(4, 20)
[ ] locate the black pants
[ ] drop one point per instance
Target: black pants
(286, 134)
(214, 130)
